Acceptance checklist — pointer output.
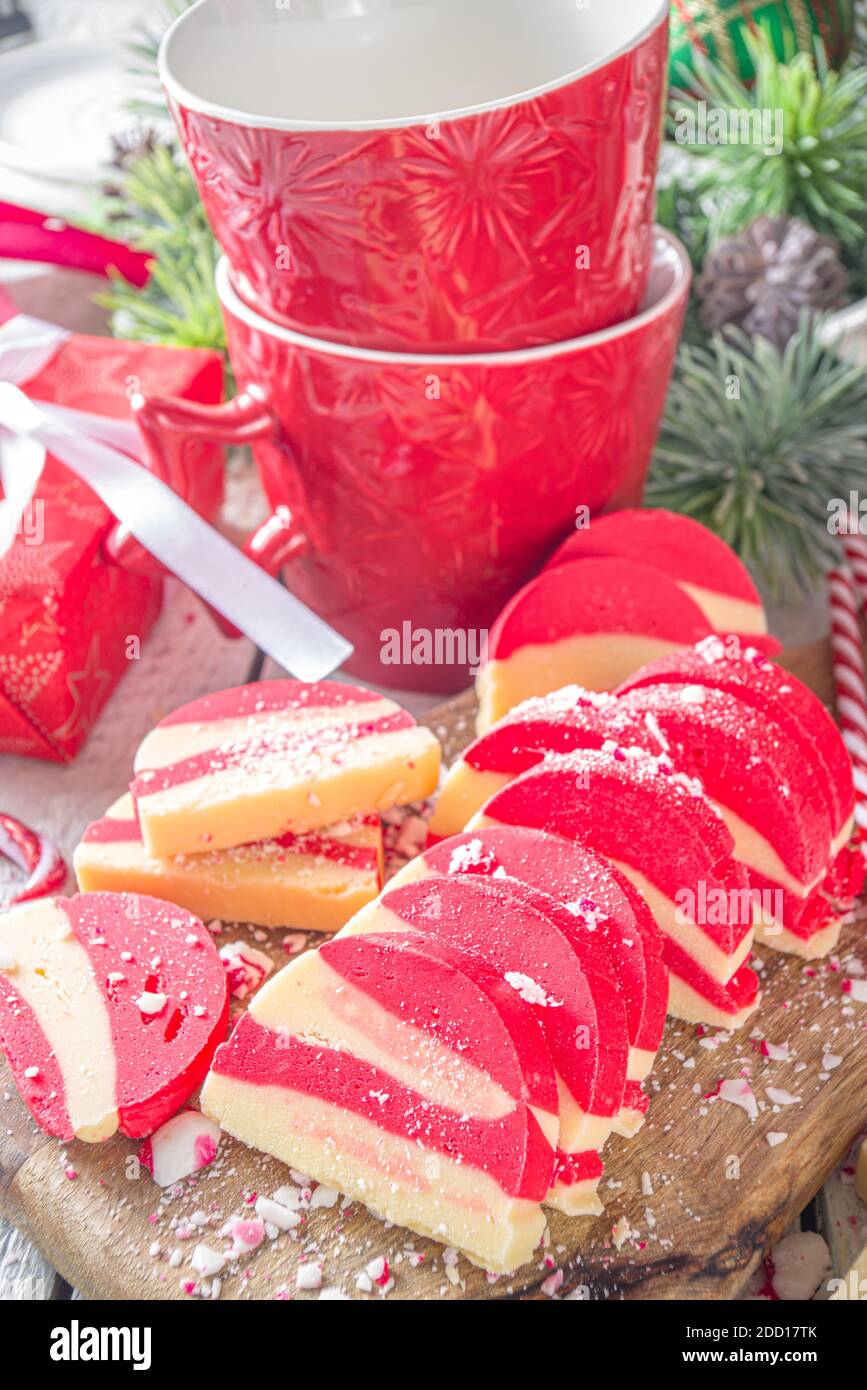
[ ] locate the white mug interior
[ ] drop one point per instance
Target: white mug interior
(375, 64)
(670, 273)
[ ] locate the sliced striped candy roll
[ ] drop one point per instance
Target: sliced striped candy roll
(513, 929)
(558, 722)
(311, 879)
(409, 1076)
(111, 1007)
(754, 772)
(251, 763)
(698, 561)
(783, 699)
(658, 828)
(609, 923)
(592, 623)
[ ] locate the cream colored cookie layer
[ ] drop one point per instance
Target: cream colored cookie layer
(727, 614)
(275, 790)
(50, 970)
(575, 1199)
(315, 881)
(397, 1178)
(463, 793)
(687, 1004)
(600, 661)
(814, 947)
(579, 1131)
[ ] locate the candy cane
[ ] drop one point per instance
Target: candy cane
(850, 684)
(855, 549)
(34, 854)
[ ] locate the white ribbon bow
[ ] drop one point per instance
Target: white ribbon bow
(107, 454)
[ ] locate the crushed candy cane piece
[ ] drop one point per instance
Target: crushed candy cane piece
(277, 1215)
(738, 1092)
(777, 1096)
(207, 1262)
(776, 1137)
(621, 1233)
(309, 1276)
(378, 1271)
(324, 1197)
(530, 991)
(151, 1004)
(292, 1197)
(800, 1264)
(246, 1235)
(246, 968)
(179, 1148)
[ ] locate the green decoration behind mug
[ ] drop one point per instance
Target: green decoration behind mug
(717, 27)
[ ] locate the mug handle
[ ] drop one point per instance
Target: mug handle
(167, 425)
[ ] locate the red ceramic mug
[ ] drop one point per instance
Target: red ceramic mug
(427, 175)
(413, 495)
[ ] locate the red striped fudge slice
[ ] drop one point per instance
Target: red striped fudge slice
(409, 1076)
(658, 828)
(558, 722)
(609, 923)
(792, 717)
(755, 774)
(782, 699)
(700, 562)
(311, 879)
(513, 929)
(111, 1007)
(592, 623)
(251, 763)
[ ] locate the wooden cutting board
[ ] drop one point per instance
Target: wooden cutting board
(691, 1204)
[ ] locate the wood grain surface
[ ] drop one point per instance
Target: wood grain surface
(691, 1204)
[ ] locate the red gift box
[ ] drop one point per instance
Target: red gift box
(71, 617)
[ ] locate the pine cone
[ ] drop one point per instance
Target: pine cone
(125, 150)
(762, 279)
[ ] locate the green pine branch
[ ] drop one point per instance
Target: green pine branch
(143, 48)
(820, 174)
(158, 210)
(755, 443)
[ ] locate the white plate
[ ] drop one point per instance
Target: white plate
(60, 103)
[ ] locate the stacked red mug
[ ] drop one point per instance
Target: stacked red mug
(450, 317)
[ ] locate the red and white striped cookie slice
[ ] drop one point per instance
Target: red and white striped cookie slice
(409, 1076)
(590, 623)
(659, 829)
(702, 564)
(559, 722)
(608, 922)
(111, 1007)
(514, 929)
(779, 696)
(251, 763)
(309, 879)
(755, 774)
